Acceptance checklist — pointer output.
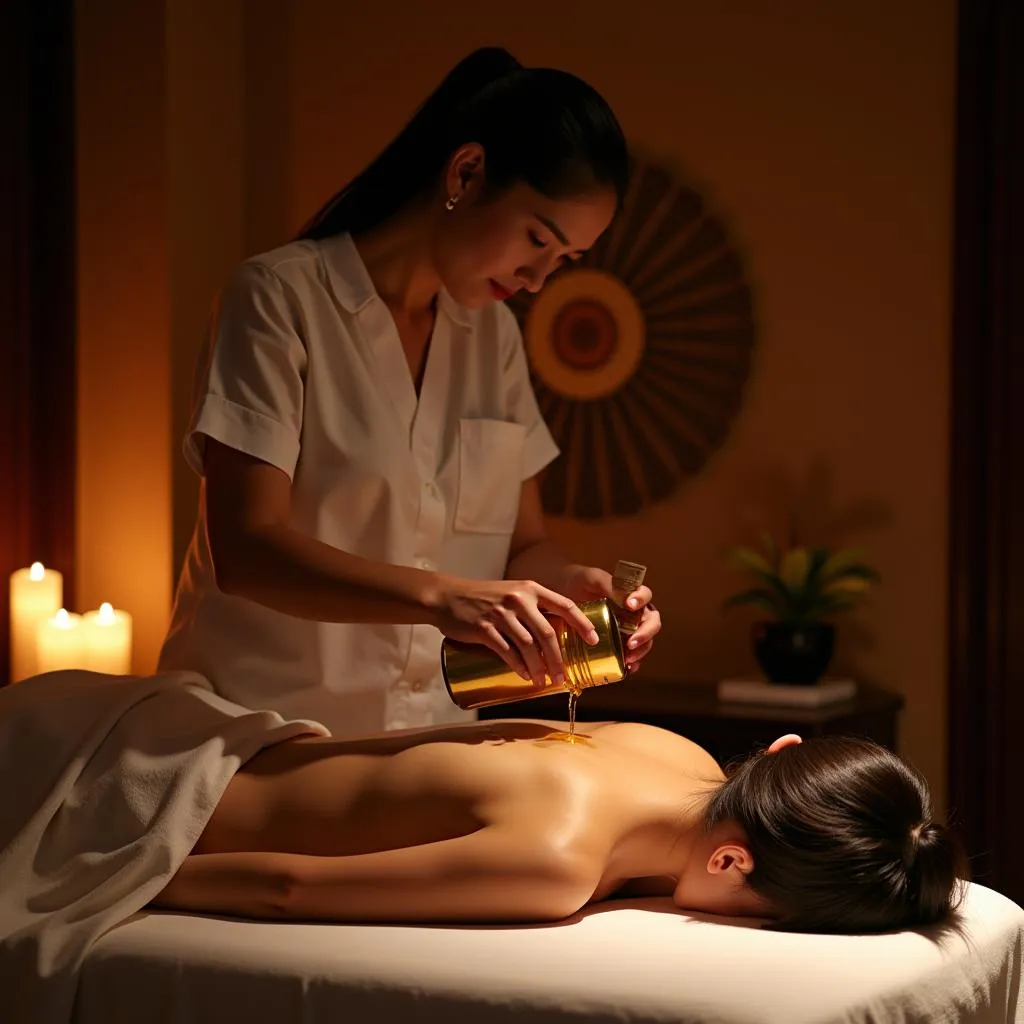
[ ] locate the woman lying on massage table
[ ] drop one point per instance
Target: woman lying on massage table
(504, 821)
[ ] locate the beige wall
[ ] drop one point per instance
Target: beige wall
(205, 57)
(822, 133)
(165, 120)
(124, 394)
(229, 179)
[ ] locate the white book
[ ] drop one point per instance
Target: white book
(756, 691)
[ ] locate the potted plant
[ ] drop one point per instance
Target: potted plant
(800, 588)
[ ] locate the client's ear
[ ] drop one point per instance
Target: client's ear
(731, 857)
(789, 740)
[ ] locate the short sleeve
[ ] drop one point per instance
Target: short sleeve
(250, 382)
(539, 447)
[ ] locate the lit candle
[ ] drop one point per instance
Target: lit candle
(108, 640)
(59, 643)
(36, 594)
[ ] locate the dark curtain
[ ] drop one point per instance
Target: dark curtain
(37, 294)
(986, 700)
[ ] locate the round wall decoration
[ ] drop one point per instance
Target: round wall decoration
(640, 352)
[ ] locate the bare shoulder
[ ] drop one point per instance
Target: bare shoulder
(662, 745)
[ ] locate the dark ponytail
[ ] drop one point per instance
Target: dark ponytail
(537, 125)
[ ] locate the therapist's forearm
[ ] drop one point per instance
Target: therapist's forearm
(293, 573)
(544, 563)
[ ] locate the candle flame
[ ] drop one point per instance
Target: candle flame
(106, 615)
(62, 620)
(36, 572)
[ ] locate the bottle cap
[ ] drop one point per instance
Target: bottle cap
(628, 576)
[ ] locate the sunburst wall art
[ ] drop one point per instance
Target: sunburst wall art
(640, 352)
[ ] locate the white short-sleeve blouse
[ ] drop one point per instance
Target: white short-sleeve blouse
(304, 369)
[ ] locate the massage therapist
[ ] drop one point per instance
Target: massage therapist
(364, 425)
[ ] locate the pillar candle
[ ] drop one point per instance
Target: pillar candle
(36, 595)
(108, 640)
(60, 643)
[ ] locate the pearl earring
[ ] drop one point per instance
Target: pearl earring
(452, 200)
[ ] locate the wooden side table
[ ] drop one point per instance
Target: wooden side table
(725, 730)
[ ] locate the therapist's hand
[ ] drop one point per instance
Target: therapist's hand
(588, 583)
(513, 619)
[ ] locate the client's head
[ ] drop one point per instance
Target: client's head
(839, 837)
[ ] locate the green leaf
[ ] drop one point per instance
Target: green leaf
(812, 586)
(848, 585)
(752, 562)
(747, 558)
(759, 596)
(794, 569)
(841, 562)
(830, 603)
(768, 542)
(819, 556)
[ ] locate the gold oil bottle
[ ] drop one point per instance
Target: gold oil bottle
(477, 678)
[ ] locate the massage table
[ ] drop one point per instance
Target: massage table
(630, 962)
(115, 779)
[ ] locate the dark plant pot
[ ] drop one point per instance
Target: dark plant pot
(790, 653)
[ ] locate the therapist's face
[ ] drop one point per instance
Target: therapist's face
(491, 246)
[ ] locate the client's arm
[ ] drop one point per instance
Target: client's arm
(489, 875)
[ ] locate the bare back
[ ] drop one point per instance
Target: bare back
(338, 798)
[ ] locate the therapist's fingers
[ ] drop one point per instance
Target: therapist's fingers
(634, 657)
(547, 640)
(519, 634)
(639, 598)
(648, 628)
(544, 646)
(536, 665)
(565, 608)
(493, 639)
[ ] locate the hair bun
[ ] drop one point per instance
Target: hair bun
(922, 837)
(936, 867)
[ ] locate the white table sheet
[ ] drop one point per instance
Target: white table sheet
(636, 962)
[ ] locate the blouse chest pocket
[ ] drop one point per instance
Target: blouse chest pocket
(490, 479)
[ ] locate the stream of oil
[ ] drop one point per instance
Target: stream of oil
(571, 736)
